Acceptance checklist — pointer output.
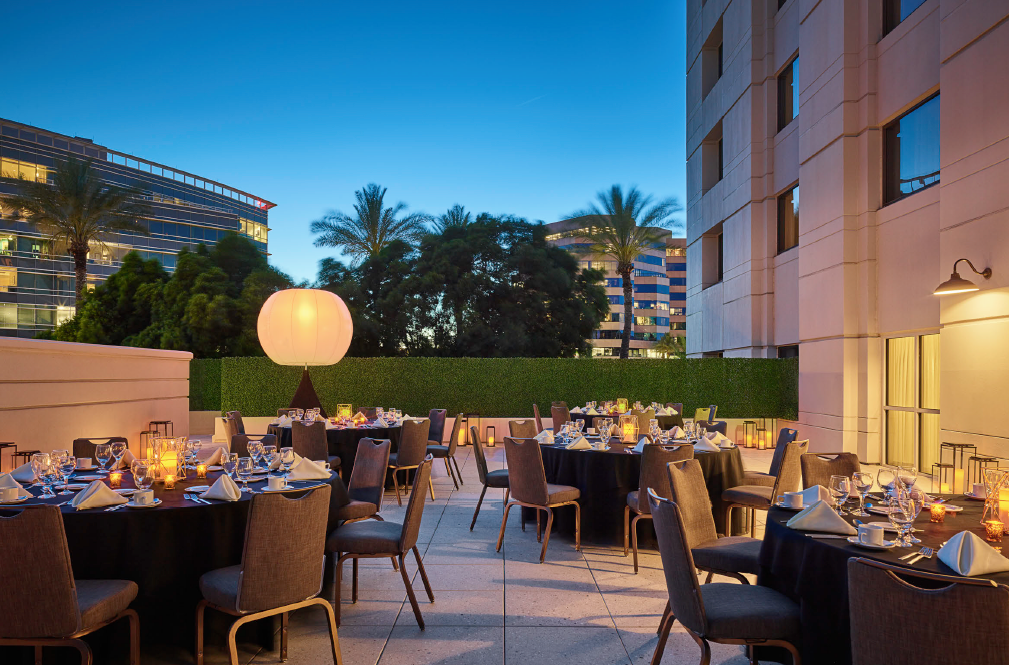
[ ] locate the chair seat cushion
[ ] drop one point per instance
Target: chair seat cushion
(101, 600)
(744, 611)
(356, 510)
(758, 478)
(369, 537)
(757, 496)
(220, 586)
(735, 554)
(562, 493)
(497, 478)
(334, 462)
(632, 501)
(437, 451)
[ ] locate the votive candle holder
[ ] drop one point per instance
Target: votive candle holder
(201, 470)
(116, 479)
(937, 513)
(993, 531)
(170, 481)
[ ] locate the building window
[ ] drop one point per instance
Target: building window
(788, 94)
(788, 351)
(721, 159)
(8, 315)
(911, 151)
(8, 278)
(676, 267)
(911, 405)
(711, 60)
(712, 160)
(895, 11)
(788, 220)
(721, 256)
(676, 251)
(614, 317)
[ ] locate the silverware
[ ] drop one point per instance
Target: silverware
(924, 553)
(907, 556)
(825, 535)
(114, 508)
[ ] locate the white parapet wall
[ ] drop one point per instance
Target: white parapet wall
(54, 392)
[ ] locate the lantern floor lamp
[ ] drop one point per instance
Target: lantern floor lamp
(306, 327)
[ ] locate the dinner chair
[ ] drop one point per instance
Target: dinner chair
(437, 433)
(711, 412)
(286, 412)
(370, 412)
(370, 540)
(366, 488)
(497, 478)
(85, 447)
(235, 423)
(560, 415)
(741, 614)
(760, 497)
(817, 469)
(651, 475)
(701, 415)
(677, 406)
(527, 481)
(715, 426)
(965, 622)
(44, 606)
(240, 442)
(447, 453)
(309, 440)
(643, 418)
(277, 575)
(536, 416)
(785, 437)
(411, 453)
(563, 405)
(523, 429)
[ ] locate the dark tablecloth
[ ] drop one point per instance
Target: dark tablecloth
(814, 573)
(605, 478)
(665, 422)
(343, 442)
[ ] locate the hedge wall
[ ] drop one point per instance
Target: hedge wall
(502, 387)
(205, 384)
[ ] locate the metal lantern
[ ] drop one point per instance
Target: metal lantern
(344, 410)
(628, 429)
(490, 435)
(750, 433)
(622, 404)
(761, 437)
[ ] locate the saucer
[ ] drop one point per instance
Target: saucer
(286, 488)
(130, 504)
(17, 500)
(781, 505)
(124, 492)
(970, 495)
(887, 544)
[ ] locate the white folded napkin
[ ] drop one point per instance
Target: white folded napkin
(276, 462)
(126, 460)
(330, 425)
(577, 409)
(214, 457)
(406, 416)
(223, 489)
(306, 469)
(546, 436)
(24, 473)
(96, 495)
(640, 448)
(677, 432)
(359, 415)
(969, 555)
(283, 421)
(704, 445)
(579, 444)
(811, 495)
(719, 439)
(821, 517)
(592, 412)
(662, 412)
(6, 480)
(672, 412)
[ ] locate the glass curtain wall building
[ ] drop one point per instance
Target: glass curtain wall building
(37, 285)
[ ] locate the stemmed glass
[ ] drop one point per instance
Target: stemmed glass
(229, 461)
(39, 463)
(143, 474)
(900, 514)
(270, 456)
(907, 475)
(255, 452)
(862, 482)
(67, 465)
(118, 450)
(244, 468)
(103, 453)
(840, 487)
(49, 475)
(133, 469)
(287, 459)
(916, 498)
(886, 477)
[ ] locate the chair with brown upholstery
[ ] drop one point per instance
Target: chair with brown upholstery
(85, 447)
(559, 415)
(497, 478)
(715, 426)
(561, 404)
(652, 474)
(309, 440)
(643, 417)
(44, 606)
(817, 469)
(760, 497)
(290, 413)
(239, 424)
(258, 587)
(411, 453)
(370, 412)
(536, 417)
(437, 430)
(240, 442)
(785, 436)
(522, 429)
(370, 540)
(741, 614)
(528, 485)
(447, 453)
(965, 621)
(366, 488)
(677, 406)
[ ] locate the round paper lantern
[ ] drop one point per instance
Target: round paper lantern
(305, 327)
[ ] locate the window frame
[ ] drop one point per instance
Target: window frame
(779, 203)
(790, 68)
(917, 410)
(886, 149)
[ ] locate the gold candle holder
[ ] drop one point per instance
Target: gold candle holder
(201, 470)
(937, 513)
(993, 531)
(116, 479)
(170, 481)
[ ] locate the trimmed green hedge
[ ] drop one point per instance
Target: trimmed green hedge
(502, 387)
(205, 384)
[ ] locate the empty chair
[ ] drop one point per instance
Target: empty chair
(366, 488)
(676, 406)
(527, 482)
(716, 426)
(258, 587)
(437, 431)
(760, 497)
(723, 613)
(309, 440)
(85, 447)
(234, 424)
(536, 417)
(702, 415)
(817, 468)
(652, 475)
(370, 412)
(563, 405)
(240, 442)
(785, 436)
(411, 453)
(643, 418)
(965, 622)
(44, 606)
(522, 429)
(497, 478)
(711, 412)
(560, 415)
(370, 539)
(447, 453)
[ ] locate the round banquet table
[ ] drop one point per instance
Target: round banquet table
(164, 550)
(814, 572)
(665, 422)
(605, 478)
(343, 441)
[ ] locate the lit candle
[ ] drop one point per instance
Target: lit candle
(462, 437)
(769, 444)
(201, 470)
(170, 481)
(943, 488)
(116, 479)
(749, 440)
(993, 531)
(958, 481)
(937, 513)
(760, 443)
(1003, 505)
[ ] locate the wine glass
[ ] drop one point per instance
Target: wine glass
(862, 483)
(886, 477)
(899, 515)
(907, 475)
(840, 487)
(67, 465)
(916, 502)
(39, 463)
(270, 455)
(49, 475)
(133, 469)
(229, 461)
(244, 468)
(144, 474)
(255, 452)
(118, 450)
(287, 459)
(103, 453)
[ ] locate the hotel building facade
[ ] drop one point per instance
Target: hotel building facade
(893, 116)
(37, 288)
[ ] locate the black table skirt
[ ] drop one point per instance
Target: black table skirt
(343, 442)
(605, 478)
(665, 422)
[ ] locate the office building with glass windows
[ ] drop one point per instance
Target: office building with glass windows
(37, 284)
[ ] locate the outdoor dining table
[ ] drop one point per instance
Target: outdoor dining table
(665, 422)
(343, 440)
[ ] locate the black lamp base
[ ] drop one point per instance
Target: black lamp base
(305, 396)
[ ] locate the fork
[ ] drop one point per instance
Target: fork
(926, 553)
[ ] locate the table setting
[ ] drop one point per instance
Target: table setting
(667, 416)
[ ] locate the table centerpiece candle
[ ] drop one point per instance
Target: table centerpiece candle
(201, 470)
(937, 513)
(993, 531)
(170, 481)
(116, 479)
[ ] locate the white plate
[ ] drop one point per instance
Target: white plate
(124, 492)
(130, 504)
(889, 527)
(88, 477)
(196, 488)
(887, 544)
(72, 487)
(880, 510)
(215, 468)
(17, 500)
(781, 505)
(970, 495)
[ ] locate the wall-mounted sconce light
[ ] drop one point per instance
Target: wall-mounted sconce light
(957, 284)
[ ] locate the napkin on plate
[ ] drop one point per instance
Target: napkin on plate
(592, 412)
(7, 480)
(968, 555)
(811, 495)
(96, 495)
(704, 445)
(214, 457)
(719, 439)
(821, 517)
(545, 437)
(223, 489)
(306, 469)
(579, 444)
(640, 448)
(126, 460)
(677, 432)
(24, 473)
(577, 409)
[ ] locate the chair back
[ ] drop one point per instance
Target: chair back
(370, 412)
(239, 423)
(559, 415)
(643, 418)
(785, 436)
(85, 447)
(876, 590)
(677, 406)
(790, 474)
(563, 405)
(437, 430)
(536, 416)
(413, 442)
(711, 411)
(689, 491)
(481, 460)
(523, 429)
(230, 427)
(286, 412)
(678, 565)
(457, 432)
(240, 443)
(526, 476)
(309, 439)
(300, 552)
(716, 426)
(653, 474)
(817, 471)
(702, 415)
(37, 587)
(415, 507)
(371, 462)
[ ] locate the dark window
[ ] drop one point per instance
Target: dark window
(614, 281)
(720, 45)
(614, 316)
(895, 11)
(911, 151)
(677, 295)
(721, 160)
(721, 256)
(677, 281)
(790, 351)
(788, 219)
(676, 266)
(616, 300)
(788, 94)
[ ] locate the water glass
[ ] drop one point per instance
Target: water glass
(287, 459)
(270, 456)
(118, 449)
(229, 461)
(103, 453)
(244, 468)
(255, 452)
(886, 477)
(144, 474)
(39, 463)
(49, 476)
(67, 466)
(840, 487)
(907, 475)
(862, 482)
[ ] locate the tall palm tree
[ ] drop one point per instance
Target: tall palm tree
(621, 226)
(372, 227)
(672, 345)
(454, 216)
(77, 209)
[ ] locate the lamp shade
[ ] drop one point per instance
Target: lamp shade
(305, 327)
(955, 284)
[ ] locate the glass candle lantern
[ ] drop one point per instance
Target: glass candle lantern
(750, 433)
(116, 479)
(993, 531)
(344, 410)
(622, 405)
(761, 437)
(628, 429)
(201, 470)
(937, 513)
(490, 435)
(169, 481)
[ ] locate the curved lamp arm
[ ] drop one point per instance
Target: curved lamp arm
(986, 273)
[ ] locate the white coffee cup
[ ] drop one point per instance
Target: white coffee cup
(143, 497)
(591, 430)
(979, 490)
(792, 500)
(84, 463)
(870, 534)
(276, 482)
(8, 494)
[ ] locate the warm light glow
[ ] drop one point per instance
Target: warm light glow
(170, 481)
(993, 531)
(116, 479)
(344, 410)
(360, 418)
(937, 513)
(621, 405)
(462, 437)
(305, 327)
(943, 488)
(1003, 505)
(201, 470)
(165, 461)
(958, 481)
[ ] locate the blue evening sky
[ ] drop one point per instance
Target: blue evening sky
(527, 108)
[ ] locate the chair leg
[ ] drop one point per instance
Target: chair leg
(478, 504)
(508, 493)
(134, 636)
(539, 530)
(198, 656)
(546, 535)
(728, 520)
(430, 484)
(353, 582)
(334, 638)
(410, 593)
(707, 580)
(634, 541)
(423, 574)
(705, 647)
(395, 566)
(38, 654)
(458, 473)
(753, 523)
(338, 582)
(283, 635)
(792, 649)
(82, 646)
(232, 645)
(504, 520)
(451, 474)
(665, 613)
(395, 483)
(578, 527)
(627, 526)
(665, 625)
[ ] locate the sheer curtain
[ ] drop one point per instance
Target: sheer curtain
(900, 392)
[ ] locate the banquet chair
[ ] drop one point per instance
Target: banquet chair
(702, 415)
(370, 540)
(522, 429)
(652, 475)
(715, 426)
(677, 406)
(258, 587)
(953, 631)
(366, 488)
(536, 417)
(234, 424)
(559, 415)
(447, 453)
(411, 453)
(286, 412)
(437, 432)
(370, 412)
(817, 469)
(497, 478)
(529, 487)
(85, 447)
(562, 404)
(785, 437)
(760, 497)
(643, 418)
(240, 442)
(309, 440)
(741, 614)
(44, 606)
